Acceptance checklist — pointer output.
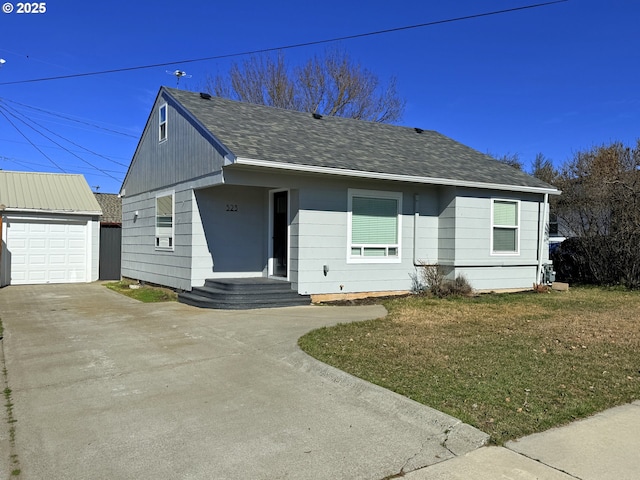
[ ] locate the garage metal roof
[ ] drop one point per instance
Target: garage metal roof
(48, 192)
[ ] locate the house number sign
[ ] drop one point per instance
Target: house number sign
(232, 207)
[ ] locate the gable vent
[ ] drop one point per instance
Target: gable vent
(317, 116)
(418, 130)
(205, 96)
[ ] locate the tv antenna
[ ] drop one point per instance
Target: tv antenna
(179, 74)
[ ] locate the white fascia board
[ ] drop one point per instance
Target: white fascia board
(390, 176)
(56, 212)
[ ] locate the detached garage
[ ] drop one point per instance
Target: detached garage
(50, 229)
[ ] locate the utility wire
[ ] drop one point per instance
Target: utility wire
(14, 115)
(291, 46)
(2, 112)
(7, 140)
(67, 140)
(68, 118)
(31, 165)
(18, 162)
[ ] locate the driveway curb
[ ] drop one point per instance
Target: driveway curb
(458, 437)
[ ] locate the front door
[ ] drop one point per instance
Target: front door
(280, 233)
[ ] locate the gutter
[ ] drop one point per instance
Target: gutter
(63, 212)
(391, 176)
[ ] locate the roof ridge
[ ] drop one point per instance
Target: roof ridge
(297, 140)
(339, 118)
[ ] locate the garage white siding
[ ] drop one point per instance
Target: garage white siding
(50, 229)
(48, 252)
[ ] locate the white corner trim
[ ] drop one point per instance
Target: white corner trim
(390, 176)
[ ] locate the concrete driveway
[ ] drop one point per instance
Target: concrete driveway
(105, 387)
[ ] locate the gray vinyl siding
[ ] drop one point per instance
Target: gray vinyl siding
(201, 258)
(294, 237)
(499, 277)
(428, 224)
(323, 234)
(473, 230)
(447, 226)
(233, 239)
(470, 214)
(453, 228)
(140, 259)
(186, 153)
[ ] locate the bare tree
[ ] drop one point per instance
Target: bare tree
(332, 84)
(600, 207)
(542, 168)
(511, 159)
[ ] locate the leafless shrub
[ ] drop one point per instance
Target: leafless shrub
(433, 280)
(600, 208)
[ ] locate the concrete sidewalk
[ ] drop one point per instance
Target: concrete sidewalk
(105, 387)
(604, 446)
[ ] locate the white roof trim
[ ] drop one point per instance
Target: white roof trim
(390, 176)
(17, 210)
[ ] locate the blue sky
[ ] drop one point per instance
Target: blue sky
(552, 80)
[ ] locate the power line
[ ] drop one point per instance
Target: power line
(7, 110)
(31, 165)
(7, 140)
(49, 112)
(2, 112)
(291, 46)
(67, 140)
(18, 162)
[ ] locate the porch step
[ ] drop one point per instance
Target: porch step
(243, 294)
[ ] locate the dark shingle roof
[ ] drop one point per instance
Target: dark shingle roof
(111, 206)
(296, 138)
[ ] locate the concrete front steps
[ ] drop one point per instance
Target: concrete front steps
(243, 294)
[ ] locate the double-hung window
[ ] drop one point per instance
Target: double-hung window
(164, 222)
(374, 226)
(162, 123)
(505, 231)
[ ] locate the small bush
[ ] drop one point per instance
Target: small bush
(433, 280)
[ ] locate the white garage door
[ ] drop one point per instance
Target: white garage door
(47, 252)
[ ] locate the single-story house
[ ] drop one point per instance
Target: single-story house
(221, 189)
(50, 229)
(110, 235)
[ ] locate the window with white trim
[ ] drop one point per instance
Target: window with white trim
(505, 233)
(374, 226)
(164, 222)
(162, 123)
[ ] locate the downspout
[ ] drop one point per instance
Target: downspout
(416, 217)
(543, 222)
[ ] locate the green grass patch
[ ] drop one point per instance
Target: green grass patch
(143, 293)
(509, 364)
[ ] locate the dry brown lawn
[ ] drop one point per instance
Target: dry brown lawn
(509, 364)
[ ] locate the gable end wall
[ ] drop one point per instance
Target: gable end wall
(189, 152)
